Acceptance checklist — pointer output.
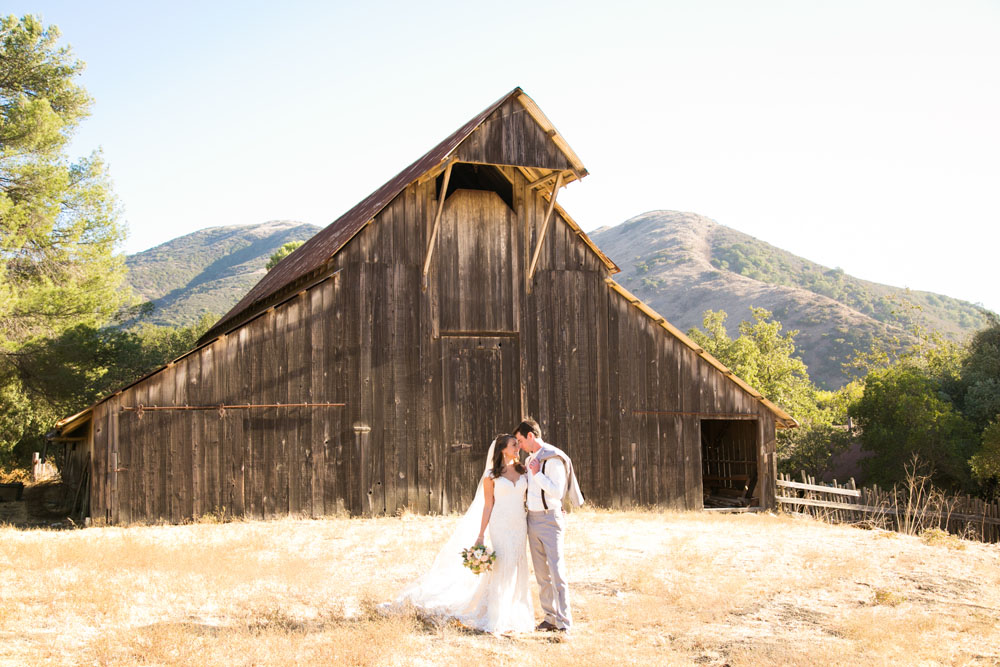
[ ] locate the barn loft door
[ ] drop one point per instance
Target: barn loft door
(482, 398)
(476, 263)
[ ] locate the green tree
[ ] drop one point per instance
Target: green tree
(84, 363)
(985, 463)
(59, 226)
(978, 390)
(905, 410)
(764, 358)
(978, 395)
(283, 252)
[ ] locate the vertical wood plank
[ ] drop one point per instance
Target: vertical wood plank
(318, 419)
(297, 421)
(191, 427)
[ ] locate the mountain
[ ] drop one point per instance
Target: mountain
(208, 271)
(683, 264)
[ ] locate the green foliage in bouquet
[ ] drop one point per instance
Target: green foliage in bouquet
(479, 559)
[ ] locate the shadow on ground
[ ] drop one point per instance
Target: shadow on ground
(43, 504)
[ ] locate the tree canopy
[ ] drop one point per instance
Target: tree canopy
(283, 252)
(764, 357)
(59, 224)
(940, 400)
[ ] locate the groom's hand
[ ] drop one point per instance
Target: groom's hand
(534, 467)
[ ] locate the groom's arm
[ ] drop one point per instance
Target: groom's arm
(553, 481)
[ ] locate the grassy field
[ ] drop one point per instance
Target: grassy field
(647, 588)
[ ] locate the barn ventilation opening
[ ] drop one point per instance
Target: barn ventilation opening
(729, 463)
(486, 177)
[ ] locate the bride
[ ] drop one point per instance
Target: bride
(498, 601)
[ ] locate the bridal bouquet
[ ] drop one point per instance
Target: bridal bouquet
(478, 559)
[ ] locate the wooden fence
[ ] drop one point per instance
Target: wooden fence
(912, 509)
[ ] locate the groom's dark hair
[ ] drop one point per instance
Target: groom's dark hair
(528, 425)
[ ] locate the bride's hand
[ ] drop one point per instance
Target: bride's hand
(479, 542)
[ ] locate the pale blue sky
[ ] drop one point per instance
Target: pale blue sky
(863, 135)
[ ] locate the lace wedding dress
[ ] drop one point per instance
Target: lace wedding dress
(502, 599)
(497, 601)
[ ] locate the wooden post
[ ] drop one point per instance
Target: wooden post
(545, 227)
(434, 228)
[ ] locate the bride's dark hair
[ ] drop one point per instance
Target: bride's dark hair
(502, 442)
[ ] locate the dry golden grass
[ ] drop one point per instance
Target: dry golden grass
(647, 588)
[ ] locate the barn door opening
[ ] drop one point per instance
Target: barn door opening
(482, 398)
(729, 462)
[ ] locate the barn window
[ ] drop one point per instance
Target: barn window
(466, 176)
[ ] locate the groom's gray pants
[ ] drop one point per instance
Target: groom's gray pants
(545, 538)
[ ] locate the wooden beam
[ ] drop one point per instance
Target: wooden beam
(436, 171)
(478, 334)
(538, 181)
(545, 228)
(434, 229)
(234, 406)
(829, 504)
(703, 415)
(816, 487)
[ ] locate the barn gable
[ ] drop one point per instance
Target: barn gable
(511, 131)
(511, 135)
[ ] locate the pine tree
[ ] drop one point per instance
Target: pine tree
(59, 224)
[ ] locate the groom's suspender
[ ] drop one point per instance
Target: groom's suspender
(544, 504)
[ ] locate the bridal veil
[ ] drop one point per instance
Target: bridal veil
(448, 586)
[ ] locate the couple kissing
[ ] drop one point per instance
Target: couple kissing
(516, 506)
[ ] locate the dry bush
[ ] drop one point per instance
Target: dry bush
(938, 537)
(920, 503)
(14, 475)
(889, 598)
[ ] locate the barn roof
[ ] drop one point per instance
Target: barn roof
(318, 250)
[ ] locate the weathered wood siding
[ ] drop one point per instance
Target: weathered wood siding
(428, 378)
(509, 136)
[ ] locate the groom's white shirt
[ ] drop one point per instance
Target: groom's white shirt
(553, 482)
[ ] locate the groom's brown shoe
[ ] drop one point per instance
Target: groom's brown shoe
(545, 626)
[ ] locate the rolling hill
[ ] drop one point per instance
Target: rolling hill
(683, 264)
(207, 271)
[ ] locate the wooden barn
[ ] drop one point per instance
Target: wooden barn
(369, 371)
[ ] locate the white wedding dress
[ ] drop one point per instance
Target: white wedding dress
(498, 601)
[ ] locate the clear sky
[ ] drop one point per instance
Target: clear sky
(864, 135)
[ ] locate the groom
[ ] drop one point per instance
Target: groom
(551, 482)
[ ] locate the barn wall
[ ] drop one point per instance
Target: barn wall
(265, 462)
(596, 364)
(429, 377)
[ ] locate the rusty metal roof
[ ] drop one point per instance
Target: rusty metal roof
(326, 243)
